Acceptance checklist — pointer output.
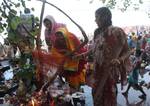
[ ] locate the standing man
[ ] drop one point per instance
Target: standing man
(111, 55)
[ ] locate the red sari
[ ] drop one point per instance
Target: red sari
(73, 69)
(111, 44)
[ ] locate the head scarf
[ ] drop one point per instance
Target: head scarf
(50, 35)
(72, 41)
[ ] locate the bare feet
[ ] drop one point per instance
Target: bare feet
(125, 94)
(142, 97)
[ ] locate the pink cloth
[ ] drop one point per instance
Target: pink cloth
(50, 35)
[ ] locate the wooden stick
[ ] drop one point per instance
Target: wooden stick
(40, 27)
(42, 13)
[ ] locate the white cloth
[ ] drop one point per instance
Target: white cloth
(88, 95)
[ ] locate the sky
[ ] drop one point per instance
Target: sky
(83, 13)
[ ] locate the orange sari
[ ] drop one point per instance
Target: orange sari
(73, 70)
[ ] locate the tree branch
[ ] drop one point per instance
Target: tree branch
(7, 5)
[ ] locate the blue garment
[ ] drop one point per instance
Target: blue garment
(133, 77)
(131, 43)
(88, 95)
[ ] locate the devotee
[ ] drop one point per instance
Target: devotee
(134, 78)
(63, 48)
(111, 58)
(50, 28)
(111, 53)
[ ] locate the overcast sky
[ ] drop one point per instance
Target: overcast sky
(82, 12)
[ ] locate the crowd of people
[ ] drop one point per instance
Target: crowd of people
(110, 57)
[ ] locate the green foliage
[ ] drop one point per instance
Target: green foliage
(1, 27)
(125, 4)
(27, 72)
(32, 9)
(23, 3)
(17, 5)
(15, 22)
(111, 4)
(10, 20)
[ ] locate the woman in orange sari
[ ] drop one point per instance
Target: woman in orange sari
(62, 45)
(63, 48)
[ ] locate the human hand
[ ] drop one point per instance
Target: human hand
(76, 57)
(40, 92)
(133, 50)
(68, 53)
(115, 61)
